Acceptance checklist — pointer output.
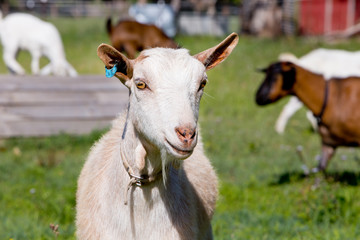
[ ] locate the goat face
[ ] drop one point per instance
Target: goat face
(166, 86)
(279, 80)
(166, 89)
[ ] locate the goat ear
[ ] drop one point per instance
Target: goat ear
(110, 56)
(286, 66)
(215, 55)
(288, 73)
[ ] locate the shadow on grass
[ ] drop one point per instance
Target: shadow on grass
(345, 177)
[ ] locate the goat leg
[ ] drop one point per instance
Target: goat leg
(9, 57)
(326, 154)
(35, 59)
(130, 50)
(47, 70)
(289, 109)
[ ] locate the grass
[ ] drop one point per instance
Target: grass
(263, 194)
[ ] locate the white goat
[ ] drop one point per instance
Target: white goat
(134, 184)
(328, 62)
(21, 31)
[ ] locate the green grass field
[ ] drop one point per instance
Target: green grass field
(263, 194)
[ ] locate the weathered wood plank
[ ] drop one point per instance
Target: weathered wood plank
(42, 106)
(60, 84)
(33, 78)
(46, 128)
(83, 86)
(69, 112)
(59, 98)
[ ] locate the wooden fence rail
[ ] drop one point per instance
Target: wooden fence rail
(42, 106)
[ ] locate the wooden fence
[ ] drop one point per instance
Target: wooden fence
(42, 106)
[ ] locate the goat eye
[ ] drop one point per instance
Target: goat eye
(140, 85)
(202, 85)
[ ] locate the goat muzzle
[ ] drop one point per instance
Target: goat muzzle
(186, 135)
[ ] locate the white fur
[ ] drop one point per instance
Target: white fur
(177, 77)
(328, 62)
(181, 205)
(21, 31)
(173, 77)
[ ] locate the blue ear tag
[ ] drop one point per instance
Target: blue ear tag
(111, 72)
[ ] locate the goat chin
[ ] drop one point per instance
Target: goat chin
(168, 161)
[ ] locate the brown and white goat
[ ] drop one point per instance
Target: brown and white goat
(335, 103)
(148, 177)
(130, 36)
(328, 62)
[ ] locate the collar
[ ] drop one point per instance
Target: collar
(139, 181)
(319, 116)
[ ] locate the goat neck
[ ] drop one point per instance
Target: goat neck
(310, 89)
(139, 158)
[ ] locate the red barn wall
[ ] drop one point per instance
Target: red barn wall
(339, 15)
(313, 16)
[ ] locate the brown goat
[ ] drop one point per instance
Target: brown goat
(335, 103)
(130, 36)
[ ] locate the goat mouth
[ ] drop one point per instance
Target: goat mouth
(182, 152)
(261, 101)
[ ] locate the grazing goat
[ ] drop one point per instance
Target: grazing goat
(130, 36)
(330, 63)
(21, 31)
(335, 103)
(136, 183)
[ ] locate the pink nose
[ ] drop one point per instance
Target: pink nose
(186, 134)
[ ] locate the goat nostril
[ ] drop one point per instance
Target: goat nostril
(179, 133)
(185, 134)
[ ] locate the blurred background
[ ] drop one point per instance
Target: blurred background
(49, 123)
(215, 17)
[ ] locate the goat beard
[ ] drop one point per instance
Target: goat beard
(168, 163)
